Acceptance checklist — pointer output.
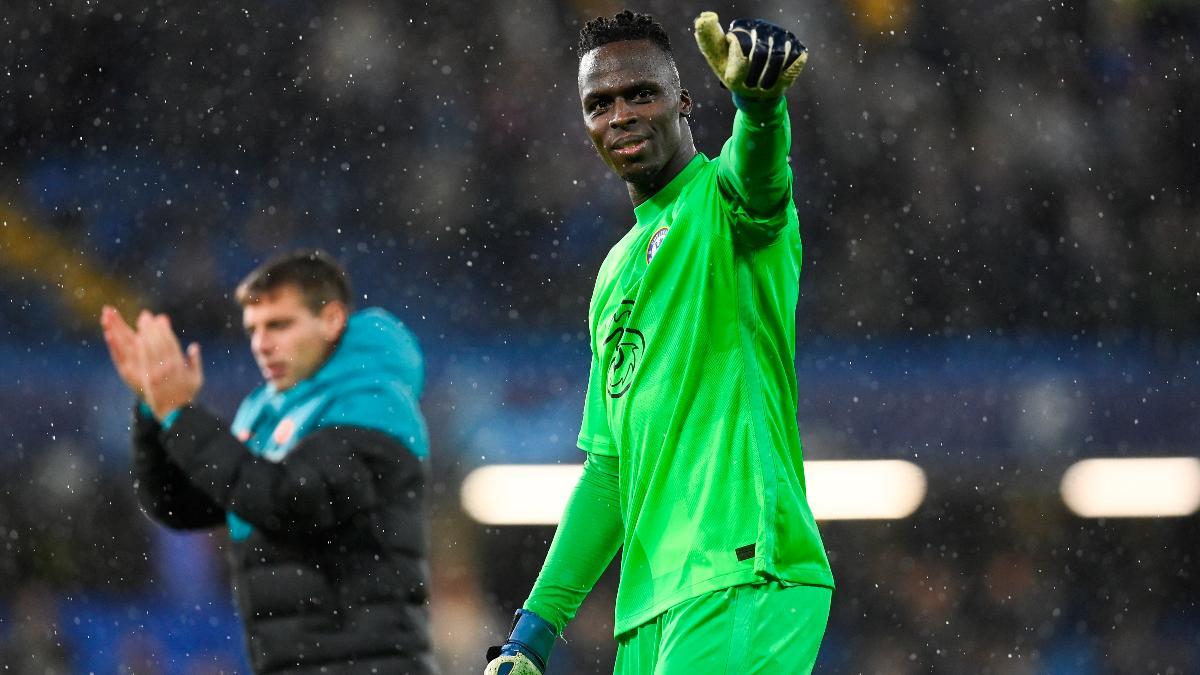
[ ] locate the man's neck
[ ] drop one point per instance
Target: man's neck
(640, 192)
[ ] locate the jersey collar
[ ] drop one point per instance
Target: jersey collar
(649, 210)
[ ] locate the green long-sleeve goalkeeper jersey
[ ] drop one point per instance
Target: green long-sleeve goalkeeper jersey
(693, 383)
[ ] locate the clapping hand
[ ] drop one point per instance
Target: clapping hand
(151, 361)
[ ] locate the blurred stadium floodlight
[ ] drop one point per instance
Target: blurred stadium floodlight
(519, 494)
(535, 494)
(876, 489)
(1133, 487)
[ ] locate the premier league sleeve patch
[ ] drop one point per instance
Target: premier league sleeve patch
(655, 242)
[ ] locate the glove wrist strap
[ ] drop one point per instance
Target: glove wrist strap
(757, 107)
(534, 634)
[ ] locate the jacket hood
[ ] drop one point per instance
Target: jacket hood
(375, 349)
(373, 379)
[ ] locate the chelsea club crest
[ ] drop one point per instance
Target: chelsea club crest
(655, 242)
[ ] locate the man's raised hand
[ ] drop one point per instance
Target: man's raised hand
(170, 378)
(755, 59)
(124, 349)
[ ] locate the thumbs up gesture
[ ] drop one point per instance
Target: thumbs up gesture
(755, 59)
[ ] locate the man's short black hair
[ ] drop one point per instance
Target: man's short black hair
(318, 275)
(625, 25)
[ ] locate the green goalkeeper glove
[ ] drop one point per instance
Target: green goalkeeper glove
(755, 59)
(527, 648)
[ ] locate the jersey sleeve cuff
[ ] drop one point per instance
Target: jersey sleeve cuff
(597, 446)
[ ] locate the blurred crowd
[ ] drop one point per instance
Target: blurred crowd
(963, 170)
(960, 168)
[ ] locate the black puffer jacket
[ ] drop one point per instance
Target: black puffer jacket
(333, 577)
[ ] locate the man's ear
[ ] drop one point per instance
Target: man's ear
(685, 103)
(333, 320)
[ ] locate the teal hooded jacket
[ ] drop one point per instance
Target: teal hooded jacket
(372, 380)
(322, 488)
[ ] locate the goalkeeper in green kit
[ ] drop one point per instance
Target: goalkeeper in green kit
(694, 466)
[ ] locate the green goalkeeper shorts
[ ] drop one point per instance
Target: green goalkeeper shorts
(768, 629)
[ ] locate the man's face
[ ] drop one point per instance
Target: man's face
(289, 342)
(632, 105)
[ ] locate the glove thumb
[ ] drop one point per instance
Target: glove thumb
(712, 42)
(736, 65)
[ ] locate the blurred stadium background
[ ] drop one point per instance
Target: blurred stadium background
(998, 201)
